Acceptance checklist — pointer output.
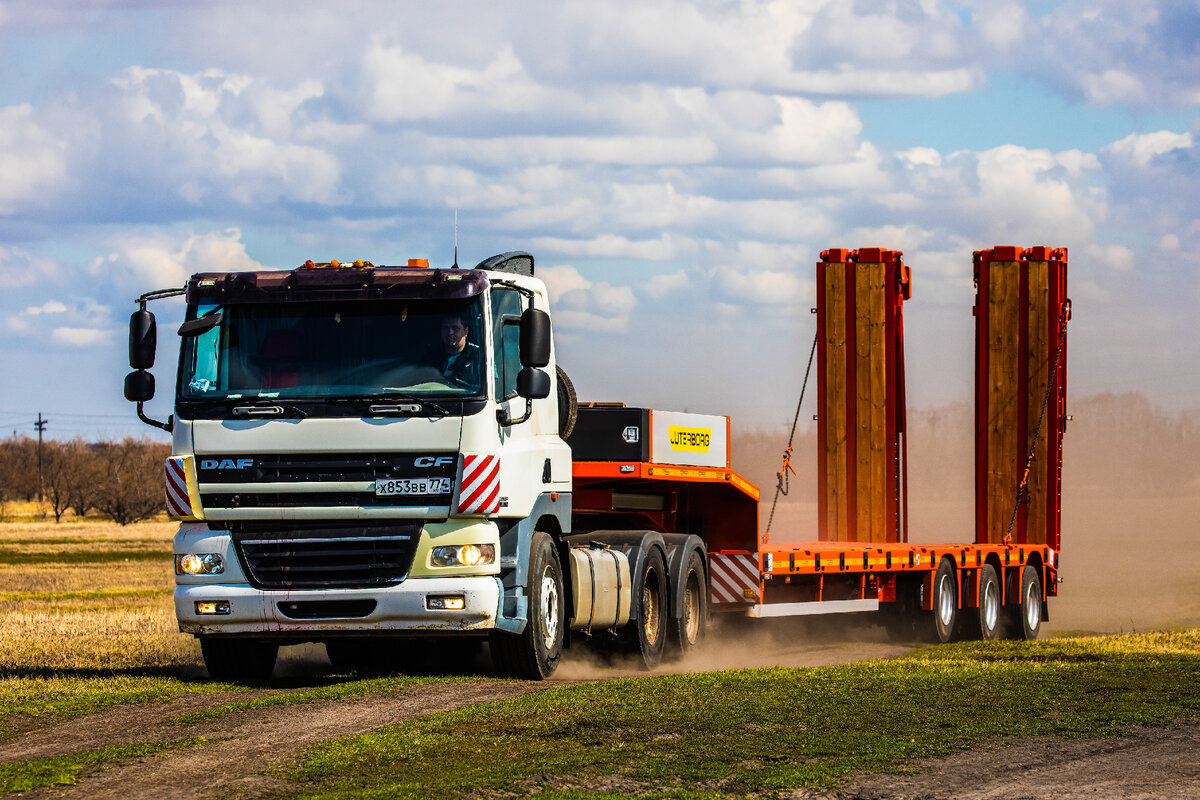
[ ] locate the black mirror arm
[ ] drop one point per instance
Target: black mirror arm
(504, 419)
(167, 426)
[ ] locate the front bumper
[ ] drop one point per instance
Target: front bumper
(402, 608)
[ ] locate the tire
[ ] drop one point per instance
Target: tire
(687, 630)
(939, 623)
(647, 636)
(239, 660)
(1023, 618)
(1031, 603)
(568, 404)
(990, 617)
(534, 653)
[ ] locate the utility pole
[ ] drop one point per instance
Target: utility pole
(41, 426)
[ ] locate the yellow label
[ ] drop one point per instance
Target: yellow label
(693, 440)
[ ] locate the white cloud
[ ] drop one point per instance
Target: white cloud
(82, 337)
(660, 286)
(609, 246)
(759, 286)
(168, 259)
(20, 268)
(33, 163)
(1141, 149)
(1114, 256)
(581, 304)
(49, 307)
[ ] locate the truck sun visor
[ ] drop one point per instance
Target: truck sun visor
(279, 286)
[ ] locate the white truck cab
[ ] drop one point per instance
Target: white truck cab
(362, 456)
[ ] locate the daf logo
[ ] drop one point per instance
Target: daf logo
(430, 461)
(226, 463)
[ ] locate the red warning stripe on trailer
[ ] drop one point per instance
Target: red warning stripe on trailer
(734, 579)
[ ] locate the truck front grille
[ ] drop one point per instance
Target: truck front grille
(326, 556)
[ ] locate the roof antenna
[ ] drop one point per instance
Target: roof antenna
(455, 239)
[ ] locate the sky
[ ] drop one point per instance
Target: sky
(675, 168)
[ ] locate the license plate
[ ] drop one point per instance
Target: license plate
(412, 486)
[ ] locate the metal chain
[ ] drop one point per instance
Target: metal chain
(782, 483)
(1024, 485)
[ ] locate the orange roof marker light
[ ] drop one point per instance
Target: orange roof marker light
(418, 263)
(335, 264)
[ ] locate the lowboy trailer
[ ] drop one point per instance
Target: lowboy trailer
(378, 459)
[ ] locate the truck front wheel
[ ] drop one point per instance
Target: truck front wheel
(248, 660)
(534, 654)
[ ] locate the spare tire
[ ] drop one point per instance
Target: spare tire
(568, 404)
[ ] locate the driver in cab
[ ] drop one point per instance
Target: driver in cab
(456, 358)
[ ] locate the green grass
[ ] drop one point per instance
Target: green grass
(83, 556)
(22, 776)
(69, 695)
(766, 732)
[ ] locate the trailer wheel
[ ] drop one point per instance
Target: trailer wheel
(249, 660)
(688, 629)
(991, 622)
(939, 625)
(568, 404)
(534, 654)
(1031, 604)
(648, 635)
(1022, 619)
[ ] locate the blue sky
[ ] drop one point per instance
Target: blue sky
(676, 168)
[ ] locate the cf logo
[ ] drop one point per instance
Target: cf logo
(431, 461)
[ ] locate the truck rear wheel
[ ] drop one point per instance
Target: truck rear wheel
(687, 630)
(534, 653)
(249, 660)
(647, 636)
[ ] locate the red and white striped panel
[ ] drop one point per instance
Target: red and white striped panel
(178, 502)
(480, 493)
(733, 576)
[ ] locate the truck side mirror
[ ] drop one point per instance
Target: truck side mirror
(535, 340)
(533, 384)
(143, 339)
(139, 386)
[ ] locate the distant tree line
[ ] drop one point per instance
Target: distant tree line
(121, 480)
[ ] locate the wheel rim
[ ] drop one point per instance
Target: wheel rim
(650, 606)
(691, 611)
(1033, 607)
(549, 609)
(991, 606)
(945, 601)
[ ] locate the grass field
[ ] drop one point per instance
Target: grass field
(86, 622)
(764, 732)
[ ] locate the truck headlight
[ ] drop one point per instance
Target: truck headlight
(199, 564)
(463, 555)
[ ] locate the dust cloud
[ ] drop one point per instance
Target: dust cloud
(1130, 510)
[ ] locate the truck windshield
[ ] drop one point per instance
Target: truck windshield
(329, 349)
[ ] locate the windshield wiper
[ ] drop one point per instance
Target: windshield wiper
(269, 410)
(406, 404)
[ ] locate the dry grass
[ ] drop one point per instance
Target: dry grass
(85, 608)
